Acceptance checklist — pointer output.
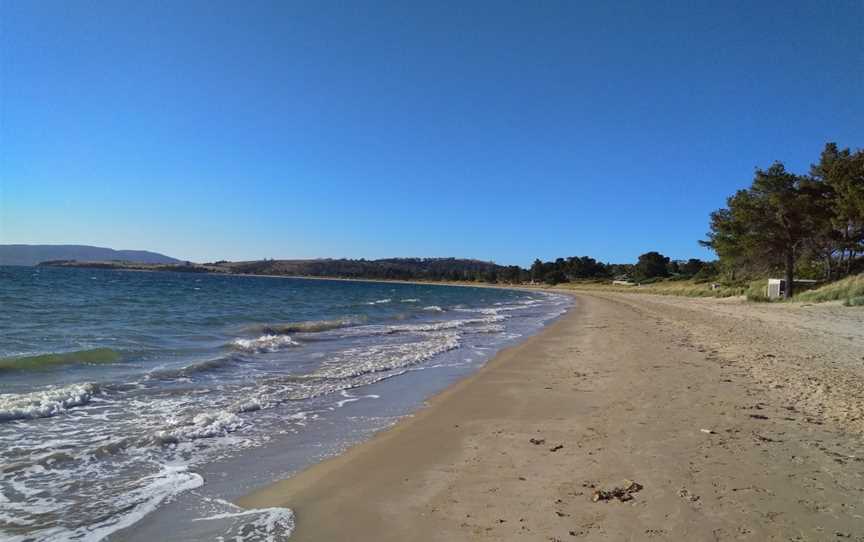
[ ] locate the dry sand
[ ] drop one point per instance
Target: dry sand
(739, 422)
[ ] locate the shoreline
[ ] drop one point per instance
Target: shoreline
(272, 495)
(614, 389)
(331, 430)
(188, 431)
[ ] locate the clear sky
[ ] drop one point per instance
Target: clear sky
(497, 130)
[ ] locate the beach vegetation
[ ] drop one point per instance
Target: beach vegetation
(653, 265)
(845, 289)
(854, 301)
(686, 287)
(796, 225)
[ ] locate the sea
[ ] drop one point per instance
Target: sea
(139, 405)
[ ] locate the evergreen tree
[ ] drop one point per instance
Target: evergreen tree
(770, 221)
(841, 173)
(652, 264)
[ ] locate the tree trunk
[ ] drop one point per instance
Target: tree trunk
(790, 273)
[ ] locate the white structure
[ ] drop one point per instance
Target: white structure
(776, 288)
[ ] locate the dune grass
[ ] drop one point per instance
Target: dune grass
(757, 291)
(854, 301)
(686, 288)
(850, 289)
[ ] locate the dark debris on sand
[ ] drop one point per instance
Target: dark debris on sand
(623, 493)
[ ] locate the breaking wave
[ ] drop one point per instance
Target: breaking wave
(355, 362)
(45, 403)
(203, 425)
(251, 525)
(190, 370)
(264, 343)
(153, 490)
(311, 326)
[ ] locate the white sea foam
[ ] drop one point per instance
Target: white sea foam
(488, 328)
(451, 324)
(348, 398)
(379, 301)
(251, 405)
(264, 343)
(433, 308)
(385, 357)
(251, 525)
(152, 491)
(203, 425)
(45, 403)
(490, 317)
(411, 300)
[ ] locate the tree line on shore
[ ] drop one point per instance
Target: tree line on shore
(805, 225)
(649, 267)
(798, 225)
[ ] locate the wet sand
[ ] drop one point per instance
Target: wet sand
(734, 422)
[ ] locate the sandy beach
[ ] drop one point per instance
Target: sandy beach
(632, 417)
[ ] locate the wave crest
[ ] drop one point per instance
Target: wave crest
(356, 362)
(264, 343)
(45, 403)
(311, 326)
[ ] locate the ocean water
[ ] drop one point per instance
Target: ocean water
(137, 405)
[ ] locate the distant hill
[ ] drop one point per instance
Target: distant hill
(34, 254)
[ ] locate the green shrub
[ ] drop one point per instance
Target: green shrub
(854, 301)
(757, 291)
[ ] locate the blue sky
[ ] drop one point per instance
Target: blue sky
(497, 130)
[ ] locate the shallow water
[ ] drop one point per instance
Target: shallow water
(138, 404)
